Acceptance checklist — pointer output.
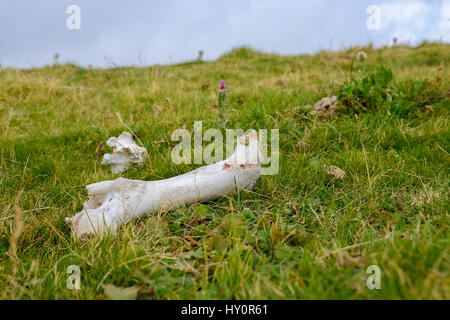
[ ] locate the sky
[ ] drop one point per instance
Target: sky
(147, 32)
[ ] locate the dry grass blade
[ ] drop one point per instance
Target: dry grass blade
(20, 226)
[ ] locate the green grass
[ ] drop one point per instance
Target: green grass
(301, 234)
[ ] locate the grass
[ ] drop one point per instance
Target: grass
(301, 234)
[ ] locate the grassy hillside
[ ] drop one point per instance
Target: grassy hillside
(300, 234)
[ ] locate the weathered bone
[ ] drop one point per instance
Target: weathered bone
(125, 152)
(325, 106)
(111, 203)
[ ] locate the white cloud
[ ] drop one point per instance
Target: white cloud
(403, 11)
(444, 22)
(415, 21)
(406, 20)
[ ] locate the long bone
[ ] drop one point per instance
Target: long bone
(112, 203)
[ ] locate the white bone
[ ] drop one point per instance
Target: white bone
(111, 203)
(125, 152)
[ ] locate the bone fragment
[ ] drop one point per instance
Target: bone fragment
(125, 152)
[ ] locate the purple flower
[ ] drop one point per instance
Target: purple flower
(223, 85)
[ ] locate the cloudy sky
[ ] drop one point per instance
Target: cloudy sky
(145, 32)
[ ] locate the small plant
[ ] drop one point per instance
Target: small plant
(370, 91)
(375, 90)
(361, 56)
(222, 95)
